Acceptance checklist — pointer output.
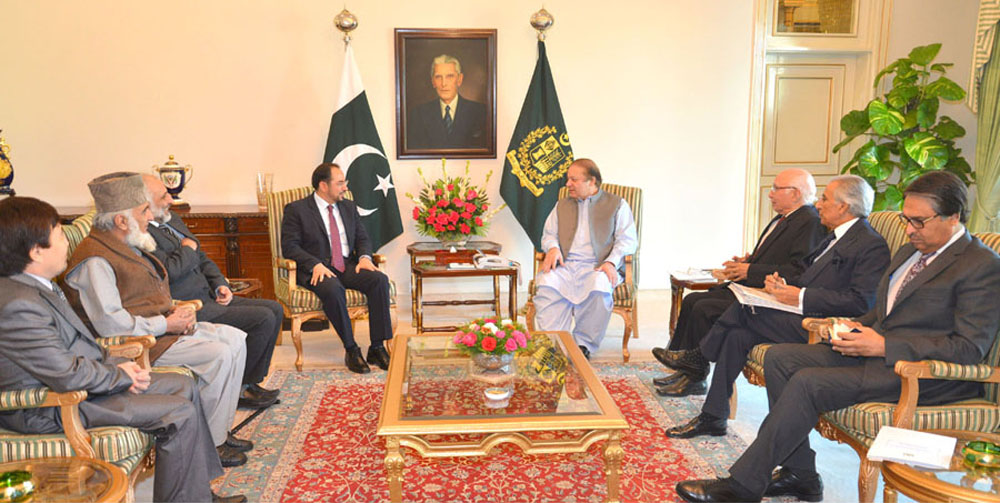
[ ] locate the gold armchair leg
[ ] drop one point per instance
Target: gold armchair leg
(297, 340)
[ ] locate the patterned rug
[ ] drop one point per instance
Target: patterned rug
(319, 444)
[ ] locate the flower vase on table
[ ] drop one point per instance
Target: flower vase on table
(491, 343)
(452, 209)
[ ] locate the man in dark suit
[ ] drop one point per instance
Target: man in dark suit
(329, 266)
(786, 240)
(450, 121)
(937, 300)
(194, 276)
(841, 278)
(43, 343)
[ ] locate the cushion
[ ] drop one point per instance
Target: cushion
(866, 419)
(119, 445)
(302, 300)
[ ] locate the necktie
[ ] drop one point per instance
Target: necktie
(58, 291)
(447, 117)
(823, 245)
(336, 252)
(770, 230)
(915, 270)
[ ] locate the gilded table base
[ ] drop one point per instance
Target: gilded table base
(612, 454)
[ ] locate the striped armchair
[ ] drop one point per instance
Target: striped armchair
(625, 301)
(300, 304)
(122, 446)
(858, 425)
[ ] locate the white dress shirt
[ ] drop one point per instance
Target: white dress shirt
(904, 268)
(324, 213)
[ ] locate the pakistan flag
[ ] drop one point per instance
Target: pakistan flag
(539, 154)
(354, 145)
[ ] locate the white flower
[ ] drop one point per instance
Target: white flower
(506, 321)
(493, 328)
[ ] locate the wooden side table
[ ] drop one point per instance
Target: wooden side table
(677, 287)
(246, 287)
(424, 251)
(73, 479)
(958, 483)
(430, 270)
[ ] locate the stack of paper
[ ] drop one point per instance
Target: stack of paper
(759, 298)
(693, 274)
(916, 448)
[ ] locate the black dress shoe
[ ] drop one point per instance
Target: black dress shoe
(667, 357)
(264, 392)
(702, 424)
(802, 487)
(692, 362)
(250, 400)
(668, 379)
(355, 363)
(235, 498)
(238, 443)
(585, 351)
(725, 489)
(378, 356)
(230, 457)
(685, 385)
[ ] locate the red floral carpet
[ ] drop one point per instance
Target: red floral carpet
(319, 444)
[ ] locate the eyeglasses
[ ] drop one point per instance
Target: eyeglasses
(775, 188)
(917, 222)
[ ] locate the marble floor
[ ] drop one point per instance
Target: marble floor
(838, 464)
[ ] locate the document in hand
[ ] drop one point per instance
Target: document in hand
(916, 448)
(759, 298)
(693, 274)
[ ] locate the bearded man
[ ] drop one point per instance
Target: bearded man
(118, 287)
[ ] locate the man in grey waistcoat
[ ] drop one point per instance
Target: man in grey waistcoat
(585, 239)
(44, 344)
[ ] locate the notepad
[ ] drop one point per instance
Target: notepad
(759, 298)
(917, 448)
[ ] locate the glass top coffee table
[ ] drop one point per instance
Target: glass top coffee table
(960, 482)
(434, 391)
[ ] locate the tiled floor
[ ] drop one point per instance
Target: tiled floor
(838, 463)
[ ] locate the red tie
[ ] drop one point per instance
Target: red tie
(336, 252)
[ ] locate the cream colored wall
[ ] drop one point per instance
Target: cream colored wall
(655, 91)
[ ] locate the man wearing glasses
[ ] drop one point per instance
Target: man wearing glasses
(781, 248)
(936, 301)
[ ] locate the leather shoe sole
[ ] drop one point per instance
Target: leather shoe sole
(249, 402)
(684, 386)
(668, 379)
(785, 483)
(698, 427)
(257, 390)
(713, 490)
(230, 457)
(239, 444)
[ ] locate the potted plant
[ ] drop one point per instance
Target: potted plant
(451, 208)
(906, 137)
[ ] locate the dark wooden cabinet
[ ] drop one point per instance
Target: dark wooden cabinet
(236, 238)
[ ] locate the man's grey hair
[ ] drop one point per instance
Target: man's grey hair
(445, 59)
(106, 221)
(855, 192)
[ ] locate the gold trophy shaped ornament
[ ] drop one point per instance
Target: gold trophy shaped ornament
(6, 169)
(175, 177)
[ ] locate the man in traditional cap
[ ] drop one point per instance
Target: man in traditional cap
(193, 276)
(44, 343)
(120, 288)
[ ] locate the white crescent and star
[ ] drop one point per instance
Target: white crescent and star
(349, 154)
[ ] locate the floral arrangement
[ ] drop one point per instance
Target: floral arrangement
(452, 208)
(487, 335)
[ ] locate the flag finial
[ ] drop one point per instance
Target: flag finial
(346, 23)
(541, 21)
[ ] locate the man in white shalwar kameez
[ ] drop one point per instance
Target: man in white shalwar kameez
(585, 239)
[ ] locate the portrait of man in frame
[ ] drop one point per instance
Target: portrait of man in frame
(445, 93)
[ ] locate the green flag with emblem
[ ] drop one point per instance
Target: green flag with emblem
(539, 154)
(354, 145)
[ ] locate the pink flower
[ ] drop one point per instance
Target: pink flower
(433, 210)
(500, 334)
(465, 229)
(470, 195)
(453, 216)
(451, 227)
(522, 340)
(470, 207)
(489, 343)
(438, 192)
(458, 203)
(416, 213)
(450, 187)
(469, 339)
(510, 345)
(486, 207)
(458, 338)
(466, 215)
(490, 320)
(442, 203)
(438, 227)
(441, 218)
(479, 221)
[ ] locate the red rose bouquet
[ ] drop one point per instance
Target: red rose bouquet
(491, 336)
(452, 208)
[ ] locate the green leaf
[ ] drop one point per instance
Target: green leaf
(927, 112)
(910, 120)
(883, 120)
(910, 172)
(959, 165)
(893, 197)
(889, 69)
(879, 204)
(926, 150)
(874, 160)
(854, 123)
(924, 54)
(945, 88)
(845, 141)
(941, 67)
(900, 96)
(948, 129)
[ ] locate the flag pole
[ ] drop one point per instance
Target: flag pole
(346, 22)
(541, 21)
